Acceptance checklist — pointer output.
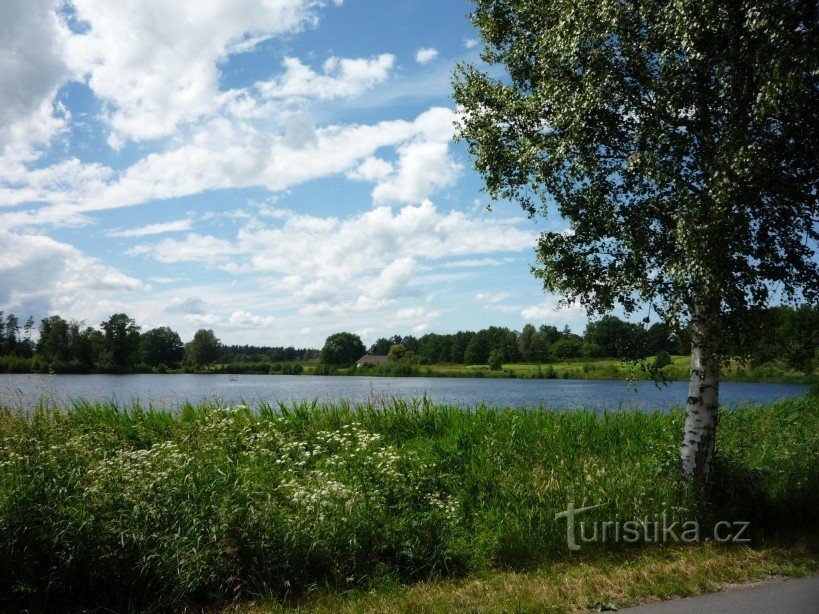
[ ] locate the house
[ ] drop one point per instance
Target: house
(371, 359)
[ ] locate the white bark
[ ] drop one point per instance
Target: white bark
(697, 452)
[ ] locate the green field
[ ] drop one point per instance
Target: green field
(614, 369)
(121, 507)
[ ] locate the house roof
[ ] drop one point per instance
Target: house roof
(372, 359)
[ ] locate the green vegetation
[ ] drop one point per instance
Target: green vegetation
(130, 507)
(787, 351)
(676, 145)
(581, 585)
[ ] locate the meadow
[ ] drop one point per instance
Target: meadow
(129, 507)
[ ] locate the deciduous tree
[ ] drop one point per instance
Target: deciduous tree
(678, 140)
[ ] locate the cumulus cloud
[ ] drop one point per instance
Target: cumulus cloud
(190, 305)
(550, 312)
(423, 168)
(152, 229)
(425, 55)
(490, 298)
(371, 169)
(340, 78)
(40, 275)
(245, 319)
(231, 154)
(32, 50)
(155, 63)
(362, 263)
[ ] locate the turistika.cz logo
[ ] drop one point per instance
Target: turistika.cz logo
(657, 529)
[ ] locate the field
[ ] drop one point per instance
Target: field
(614, 369)
(393, 505)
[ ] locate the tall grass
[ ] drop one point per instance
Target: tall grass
(102, 504)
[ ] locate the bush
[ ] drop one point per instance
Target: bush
(293, 369)
(662, 359)
(325, 369)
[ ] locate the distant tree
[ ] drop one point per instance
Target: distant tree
(161, 346)
(436, 348)
(477, 352)
(88, 346)
(679, 141)
(616, 338)
(568, 347)
(460, 341)
(27, 343)
(342, 349)
(540, 345)
(411, 343)
(659, 338)
(662, 359)
(797, 337)
(52, 345)
(121, 342)
(382, 346)
(203, 349)
(525, 342)
(397, 352)
(10, 338)
(495, 360)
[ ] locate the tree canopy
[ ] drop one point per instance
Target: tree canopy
(342, 349)
(679, 143)
(203, 349)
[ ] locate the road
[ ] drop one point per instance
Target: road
(783, 597)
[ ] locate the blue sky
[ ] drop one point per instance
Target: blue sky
(276, 170)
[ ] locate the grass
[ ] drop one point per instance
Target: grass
(128, 507)
(614, 369)
(605, 583)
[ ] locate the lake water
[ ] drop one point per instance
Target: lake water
(169, 391)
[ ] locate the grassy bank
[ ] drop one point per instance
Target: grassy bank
(576, 368)
(111, 506)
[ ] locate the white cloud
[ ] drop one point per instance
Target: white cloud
(371, 169)
(477, 262)
(208, 319)
(423, 168)
(245, 319)
(489, 298)
(425, 55)
(340, 78)
(32, 48)
(152, 229)
(39, 275)
(195, 248)
(470, 43)
(155, 63)
(190, 305)
(360, 264)
(550, 312)
(231, 154)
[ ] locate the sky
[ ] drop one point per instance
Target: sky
(274, 170)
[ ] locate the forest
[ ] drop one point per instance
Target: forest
(788, 336)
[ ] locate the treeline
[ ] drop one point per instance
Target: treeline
(119, 345)
(788, 335)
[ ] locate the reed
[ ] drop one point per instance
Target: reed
(129, 506)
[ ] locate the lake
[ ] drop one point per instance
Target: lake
(169, 391)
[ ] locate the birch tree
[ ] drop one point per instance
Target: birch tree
(677, 140)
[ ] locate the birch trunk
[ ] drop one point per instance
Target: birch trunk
(697, 452)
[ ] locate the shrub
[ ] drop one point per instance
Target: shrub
(662, 359)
